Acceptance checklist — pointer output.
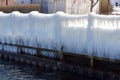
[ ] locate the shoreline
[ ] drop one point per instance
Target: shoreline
(92, 67)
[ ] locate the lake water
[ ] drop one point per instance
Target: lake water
(17, 71)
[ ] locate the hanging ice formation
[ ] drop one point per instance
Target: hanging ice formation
(105, 35)
(91, 34)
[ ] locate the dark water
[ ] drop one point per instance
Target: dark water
(17, 71)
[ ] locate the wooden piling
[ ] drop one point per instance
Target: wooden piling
(38, 52)
(91, 61)
(61, 54)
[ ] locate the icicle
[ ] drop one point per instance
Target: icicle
(98, 34)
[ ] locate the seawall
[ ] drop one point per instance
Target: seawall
(89, 66)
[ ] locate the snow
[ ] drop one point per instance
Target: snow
(116, 10)
(92, 34)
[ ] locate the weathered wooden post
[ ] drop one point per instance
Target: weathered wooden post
(91, 61)
(2, 46)
(90, 39)
(61, 54)
(18, 48)
(38, 51)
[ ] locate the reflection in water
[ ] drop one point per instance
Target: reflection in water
(14, 71)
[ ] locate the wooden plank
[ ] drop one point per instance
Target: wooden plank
(63, 52)
(30, 47)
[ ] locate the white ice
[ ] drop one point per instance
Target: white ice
(105, 33)
(91, 34)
